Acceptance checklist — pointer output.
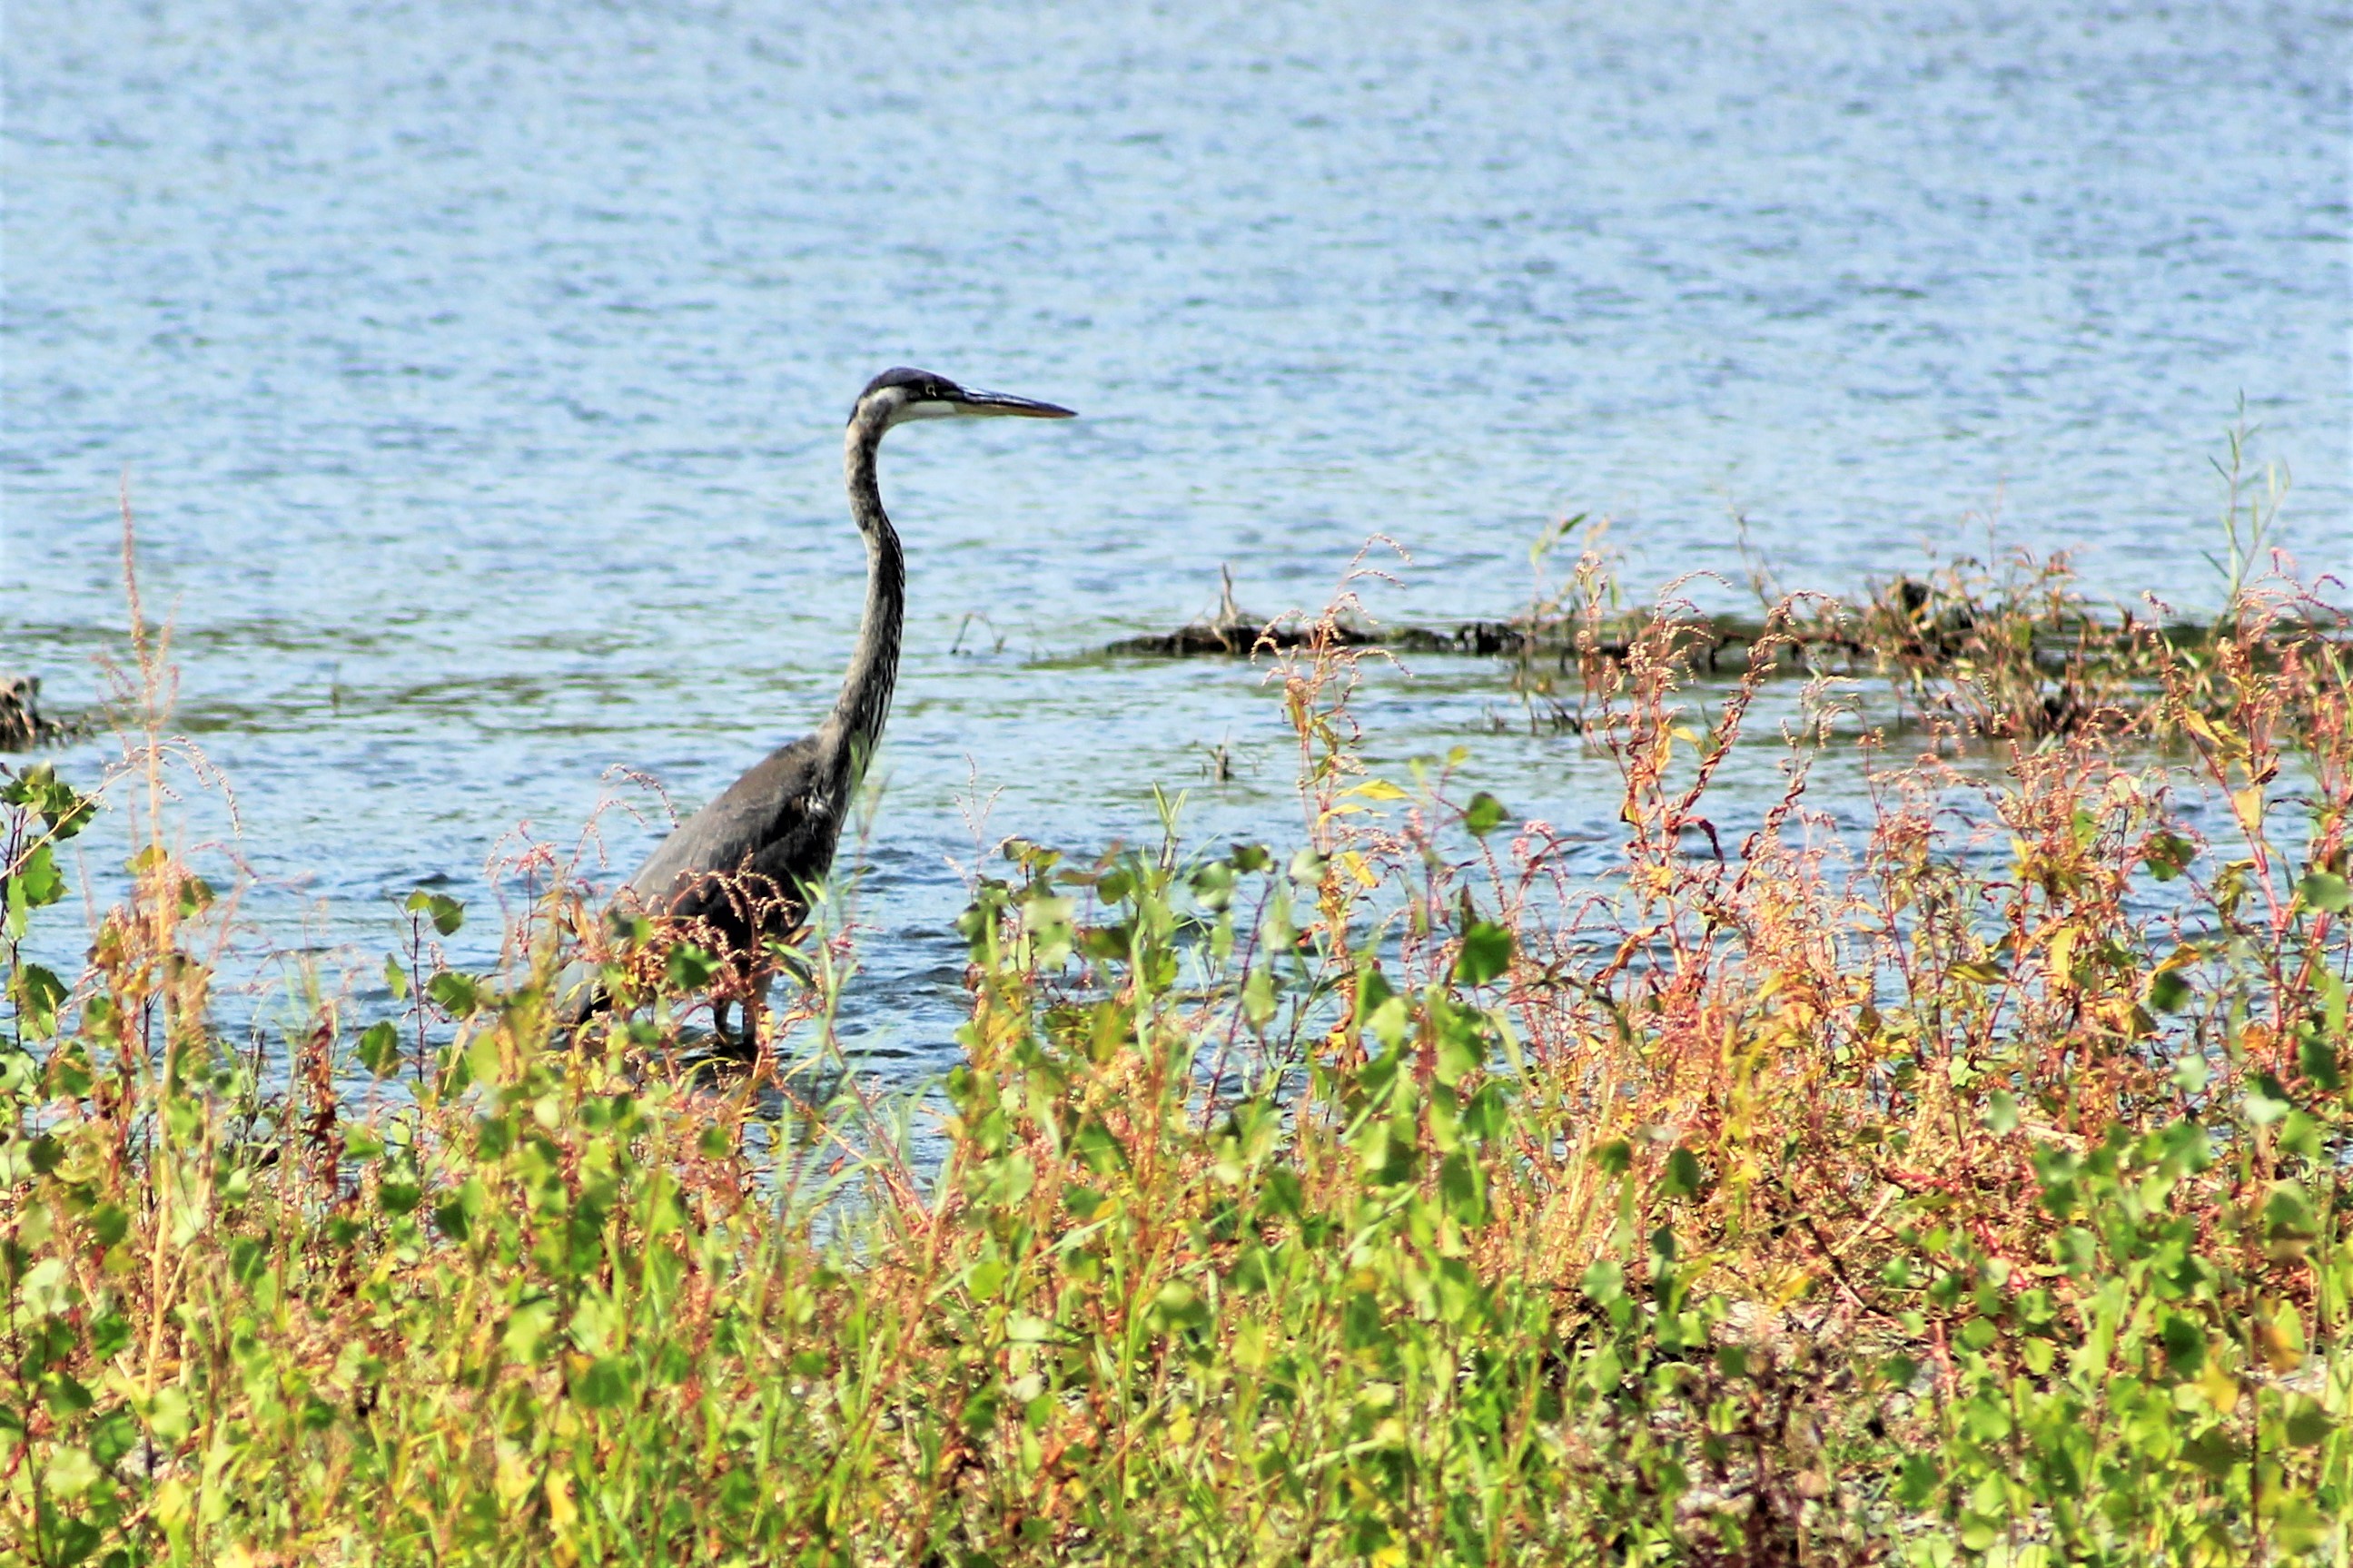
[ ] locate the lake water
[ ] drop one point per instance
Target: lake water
(478, 374)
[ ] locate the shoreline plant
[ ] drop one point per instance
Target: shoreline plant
(1966, 1188)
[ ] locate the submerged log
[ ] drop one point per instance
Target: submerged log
(1856, 633)
(1211, 639)
(1240, 636)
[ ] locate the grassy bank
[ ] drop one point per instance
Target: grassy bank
(1966, 1188)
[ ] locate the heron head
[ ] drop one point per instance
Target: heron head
(898, 395)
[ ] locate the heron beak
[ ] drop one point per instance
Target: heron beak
(977, 405)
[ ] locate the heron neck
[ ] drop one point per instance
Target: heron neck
(865, 700)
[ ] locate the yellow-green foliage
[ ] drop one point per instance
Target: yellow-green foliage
(1387, 1202)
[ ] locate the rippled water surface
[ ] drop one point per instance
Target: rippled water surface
(479, 371)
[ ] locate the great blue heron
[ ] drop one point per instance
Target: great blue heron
(743, 866)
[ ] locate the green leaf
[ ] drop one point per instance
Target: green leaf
(379, 1049)
(447, 913)
(1462, 1047)
(168, 1416)
(2169, 991)
(2317, 1060)
(1684, 1178)
(1388, 1149)
(2307, 1422)
(1285, 1197)
(1046, 920)
(248, 1257)
(458, 995)
(2267, 1101)
(37, 993)
(46, 1289)
(2167, 856)
(111, 1436)
(1486, 954)
(528, 1328)
(605, 1384)
(689, 967)
(1461, 1190)
(2215, 1451)
(1178, 1305)
(69, 1473)
(1212, 884)
(2326, 892)
(2289, 1218)
(1258, 997)
(2000, 1113)
(63, 808)
(2185, 1345)
(43, 886)
(1483, 815)
(2298, 1524)
(1110, 943)
(109, 1223)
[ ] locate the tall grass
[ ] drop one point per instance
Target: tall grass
(1970, 1189)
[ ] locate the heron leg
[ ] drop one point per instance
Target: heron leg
(754, 1007)
(719, 1020)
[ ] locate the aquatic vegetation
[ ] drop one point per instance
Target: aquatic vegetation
(1997, 646)
(1969, 1189)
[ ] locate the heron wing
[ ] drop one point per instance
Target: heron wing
(780, 819)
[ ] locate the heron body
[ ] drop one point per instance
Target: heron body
(744, 865)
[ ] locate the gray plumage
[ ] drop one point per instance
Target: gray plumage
(744, 864)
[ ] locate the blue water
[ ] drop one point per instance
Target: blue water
(478, 375)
